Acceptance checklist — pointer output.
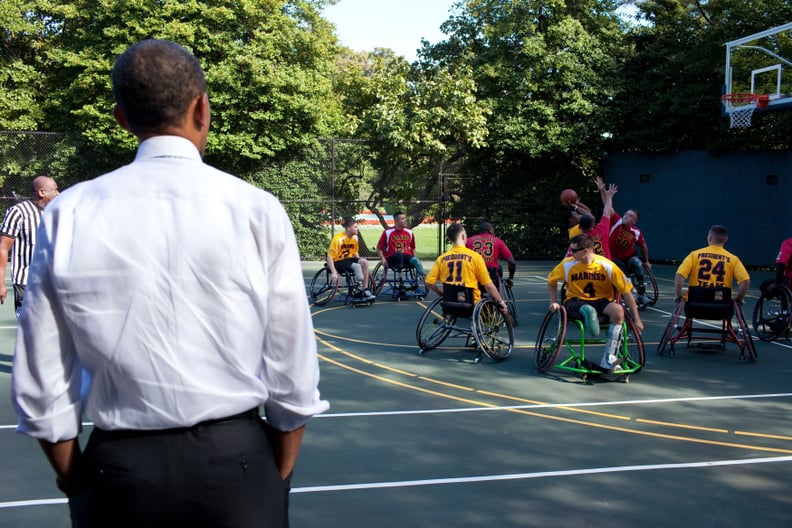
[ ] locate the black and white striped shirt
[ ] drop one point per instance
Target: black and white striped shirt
(21, 223)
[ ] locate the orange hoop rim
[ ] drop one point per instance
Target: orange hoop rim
(740, 98)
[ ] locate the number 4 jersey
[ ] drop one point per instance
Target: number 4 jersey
(589, 282)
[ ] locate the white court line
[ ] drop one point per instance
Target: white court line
(34, 502)
(713, 325)
(483, 478)
(532, 406)
(541, 474)
(555, 405)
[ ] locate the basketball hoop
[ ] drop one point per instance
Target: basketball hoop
(740, 107)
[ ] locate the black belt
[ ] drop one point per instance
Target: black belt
(252, 414)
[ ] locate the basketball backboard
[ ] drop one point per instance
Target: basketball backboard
(761, 64)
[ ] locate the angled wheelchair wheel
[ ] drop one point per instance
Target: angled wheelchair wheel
(632, 349)
(511, 304)
(493, 330)
(378, 277)
(420, 286)
(322, 289)
(433, 327)
(650, 283)
(771, 315)
(745, 334)
(668, 334)
(550, 339)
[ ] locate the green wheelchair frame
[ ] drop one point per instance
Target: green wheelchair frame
(554, 337)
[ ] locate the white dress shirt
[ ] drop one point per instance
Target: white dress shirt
(179, 289)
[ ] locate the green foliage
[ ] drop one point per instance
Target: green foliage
(268, 65)
(523, 98)
(20, 83)
(293, 184)
(545, 70)
(418, 116)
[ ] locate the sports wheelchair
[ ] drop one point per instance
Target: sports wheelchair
(506, 293)
(713, 304)
(772, 315)
(323, 289)
(650, 289)
(650, 285)
(485, 328)
(556, 334)
(401, 283)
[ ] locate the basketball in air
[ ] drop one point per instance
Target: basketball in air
(568, 197)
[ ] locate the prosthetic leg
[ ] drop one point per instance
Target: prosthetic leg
(610, 360)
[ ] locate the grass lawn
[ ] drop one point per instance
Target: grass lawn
(425, 239)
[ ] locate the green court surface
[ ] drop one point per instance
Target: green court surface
(700, 439)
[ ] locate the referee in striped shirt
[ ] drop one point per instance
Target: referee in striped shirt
(20, 225)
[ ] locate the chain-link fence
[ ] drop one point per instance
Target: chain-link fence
(25, 155)
(335, 179)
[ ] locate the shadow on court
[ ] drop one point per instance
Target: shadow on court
(700, 439)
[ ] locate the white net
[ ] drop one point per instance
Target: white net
(740, 108)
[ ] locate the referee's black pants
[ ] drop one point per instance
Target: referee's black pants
(216, 474)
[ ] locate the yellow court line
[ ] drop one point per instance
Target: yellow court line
(397, 371)
(363, 342)
(389, 345)
(406, 385)
(533, 413)
(446, 384)
(523, 400)
(573, 409)
(763, 435)
(682, 426)
(559, 418)
(652, 434)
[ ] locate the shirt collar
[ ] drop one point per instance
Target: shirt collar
(167, 146)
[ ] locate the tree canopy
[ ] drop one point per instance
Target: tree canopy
(522, 97)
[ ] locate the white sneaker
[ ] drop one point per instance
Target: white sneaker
(368, 296)
(612, 365)
(642, 298)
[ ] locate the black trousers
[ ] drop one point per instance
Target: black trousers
(215, 474)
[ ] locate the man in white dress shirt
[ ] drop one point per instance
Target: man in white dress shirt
(178, 289)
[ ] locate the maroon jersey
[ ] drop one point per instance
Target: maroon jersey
(395, 240)
(623, 239)
(784, 256)
(490, 247)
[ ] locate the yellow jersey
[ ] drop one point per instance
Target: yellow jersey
(343, 247)
(574, 231)
(460, 266)
(589, 282)
(711, 267)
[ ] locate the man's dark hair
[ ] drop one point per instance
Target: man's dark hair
(582, 241)
(485, 227)
(719, 233)
(453, 231)
(586, 223)
(154, 82)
